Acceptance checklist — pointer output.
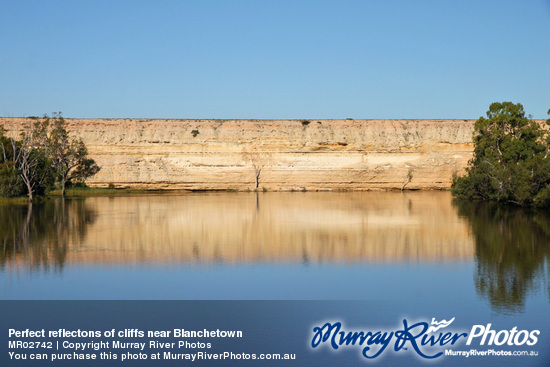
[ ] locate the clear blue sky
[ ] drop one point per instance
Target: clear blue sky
(273, 58)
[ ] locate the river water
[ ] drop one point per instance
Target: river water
(400, 255)
(289, 246)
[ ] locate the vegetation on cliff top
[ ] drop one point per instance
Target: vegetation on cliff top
(42, 156)
(511, 162)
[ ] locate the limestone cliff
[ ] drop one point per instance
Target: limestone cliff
(286, 154)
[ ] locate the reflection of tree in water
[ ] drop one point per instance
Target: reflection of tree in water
(512, 248)
(38, 235)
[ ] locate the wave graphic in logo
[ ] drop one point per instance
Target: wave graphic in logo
(439, 325)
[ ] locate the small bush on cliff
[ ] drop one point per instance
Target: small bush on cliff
(511, 162)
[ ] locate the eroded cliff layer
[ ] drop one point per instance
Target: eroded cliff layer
(281, 154)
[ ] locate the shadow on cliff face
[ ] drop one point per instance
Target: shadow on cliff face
(38, 236)
(512, 248)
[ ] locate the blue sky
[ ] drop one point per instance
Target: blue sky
(271, 59)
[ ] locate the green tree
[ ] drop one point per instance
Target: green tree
(43, 155)
(511, 163)
(68, 156)
(11, 184)
(31, 157)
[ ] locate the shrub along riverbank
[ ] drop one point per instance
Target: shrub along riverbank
(40, 157)
(511, 162)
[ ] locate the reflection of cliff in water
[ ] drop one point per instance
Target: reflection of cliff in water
(245, 228)
(291, 228)
(39, 236)
(512, 252)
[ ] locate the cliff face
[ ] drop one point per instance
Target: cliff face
(286, 154)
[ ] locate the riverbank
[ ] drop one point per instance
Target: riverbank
(95, 191)
(82, 192)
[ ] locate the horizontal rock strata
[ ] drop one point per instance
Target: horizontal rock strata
(286, 154)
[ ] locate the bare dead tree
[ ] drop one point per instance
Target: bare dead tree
(29, 154)
(2, 135)
(258, 160)
(408, 178)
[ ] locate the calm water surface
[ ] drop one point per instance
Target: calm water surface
(420, 248)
